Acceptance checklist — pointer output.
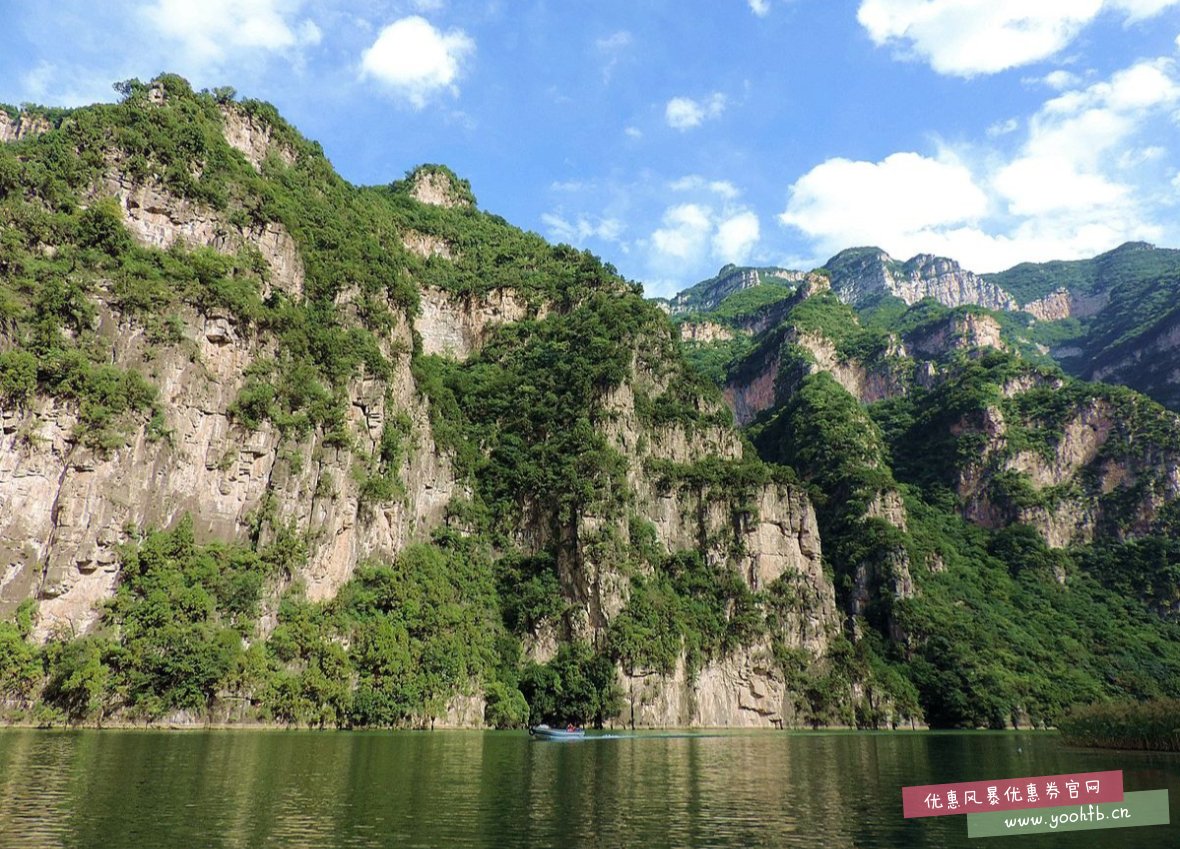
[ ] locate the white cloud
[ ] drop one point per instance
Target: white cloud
(1063, 164)
(736, 237)
(209, 30)
(968, 37)
(1138, 10)
(614, 41)
(695, 182)
(683, 113)
(895, 202)
(761, 8)
(696, 237)
(633, 132)
(1060, 79)
(612, 47)
(416, 61)
(685, 232)
(1003, 128)
(582, 228)
(667, 243)
(1076, 185)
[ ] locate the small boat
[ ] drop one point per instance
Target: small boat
(544, 732)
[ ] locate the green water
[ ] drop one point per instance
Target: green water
(459, 789)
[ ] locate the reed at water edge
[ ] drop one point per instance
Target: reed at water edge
(1152, 725)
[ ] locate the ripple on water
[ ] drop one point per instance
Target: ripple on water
(242, 790)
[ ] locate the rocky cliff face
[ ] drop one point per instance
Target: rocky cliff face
(1061, 303)
(1070, 482)
(755, 390)
(253, 137)
(456, 326)
(71, 506)
(434, 187)
(957, 332)
(767, 533)
(730, 279)
(863, 273)
(744, 690)
(23, 126)
(703, 332)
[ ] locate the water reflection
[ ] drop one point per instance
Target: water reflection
(294, 789)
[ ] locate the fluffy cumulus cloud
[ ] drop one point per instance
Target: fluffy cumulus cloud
(896, 202)
(1065, 166)
(696, 237)
(761, 8)
(684, 113)
(1078, 181)
(210, 30)
(415, 60)
(684, 233)
(736, 237)
(968, 37)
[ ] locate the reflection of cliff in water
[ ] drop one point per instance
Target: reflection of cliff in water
(472, 789)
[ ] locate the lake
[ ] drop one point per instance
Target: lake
(501, 789)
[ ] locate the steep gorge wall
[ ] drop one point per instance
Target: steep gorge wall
(68, 506)
(767, 533)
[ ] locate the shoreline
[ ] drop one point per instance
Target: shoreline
(653, 730)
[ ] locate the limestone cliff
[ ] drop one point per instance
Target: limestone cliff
(456, 326)
(752, 390)
(766, 532)
(957, 332)
(730, 279)
(1061, 303)
(71, 506)
(24, 125)
(862, 273)
(1082, 483)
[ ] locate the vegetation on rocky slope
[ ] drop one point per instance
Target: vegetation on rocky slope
(942, 619)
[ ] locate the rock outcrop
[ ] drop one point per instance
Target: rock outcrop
(957, 332)
(158, 218)
(1061, 303)
(862, 273)
(766, 533)
(743, 690)
(457, 326)
(1069, 480)
(729, 280)
(754, 390)
(68, 507)
(436, 188)
(25, 125)
(252, 137)
(704, 332)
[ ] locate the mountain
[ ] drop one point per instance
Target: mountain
(861, 275)
(1113, 318)
(729, 280)
(277, 448)
(926, 439)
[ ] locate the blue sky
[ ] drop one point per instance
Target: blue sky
(673, 137)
